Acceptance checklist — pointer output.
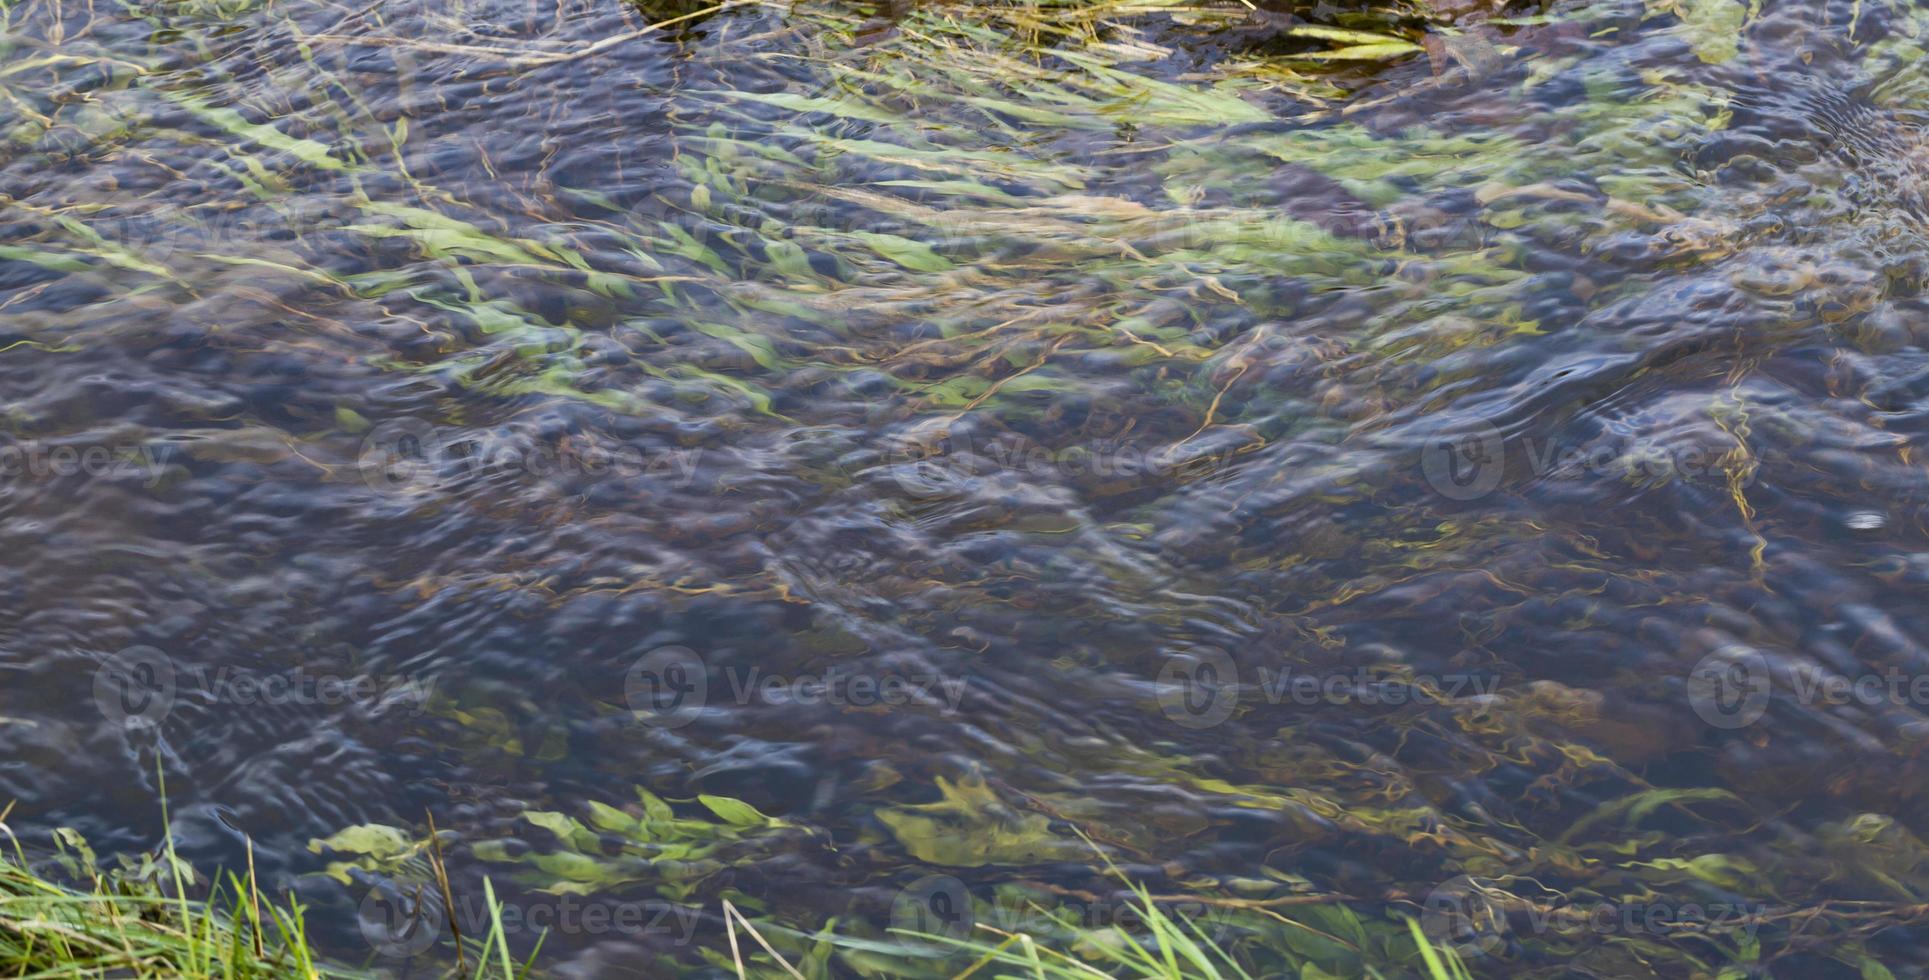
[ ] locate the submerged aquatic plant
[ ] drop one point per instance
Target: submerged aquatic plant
(1154, 941)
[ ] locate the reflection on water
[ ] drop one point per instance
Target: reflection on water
(812, 458)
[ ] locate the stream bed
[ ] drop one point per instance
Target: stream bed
(922, 467)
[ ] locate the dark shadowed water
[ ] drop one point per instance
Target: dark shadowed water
(1484, 488)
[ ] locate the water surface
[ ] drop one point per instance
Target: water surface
(1480, 486)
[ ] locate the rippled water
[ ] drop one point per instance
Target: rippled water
(1482, 483)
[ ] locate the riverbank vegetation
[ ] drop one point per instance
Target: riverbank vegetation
(153, 918)
(65, 916)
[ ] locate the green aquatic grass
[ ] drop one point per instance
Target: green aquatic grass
(1167, 944)
(1174, 948)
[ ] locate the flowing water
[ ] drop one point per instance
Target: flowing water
(830, 459)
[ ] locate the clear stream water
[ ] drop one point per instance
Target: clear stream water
(1482, 485)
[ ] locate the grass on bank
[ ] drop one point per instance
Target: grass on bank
(150, 919)
(139, 921)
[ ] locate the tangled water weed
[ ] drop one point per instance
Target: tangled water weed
(682, 401)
